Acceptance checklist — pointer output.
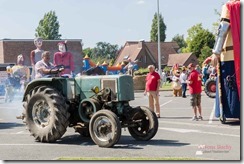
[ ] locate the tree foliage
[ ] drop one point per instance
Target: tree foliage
(154, 29)
(202, 39)
(105, 50)
(88, 52)
(197, 39)
(205, 52)
(179, 39)
(102, 52)
(48, 27)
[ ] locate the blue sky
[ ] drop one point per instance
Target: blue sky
(109, 21)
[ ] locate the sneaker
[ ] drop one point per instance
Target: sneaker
(200, 118)
(194, 118)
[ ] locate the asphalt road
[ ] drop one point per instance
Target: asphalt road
(177, 135)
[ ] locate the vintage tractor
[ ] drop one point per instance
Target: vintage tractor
(95, 106)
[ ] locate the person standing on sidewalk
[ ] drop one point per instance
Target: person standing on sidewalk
(194, 82)
(183, 78)
(152, 89)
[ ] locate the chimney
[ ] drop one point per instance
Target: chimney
(140, 43)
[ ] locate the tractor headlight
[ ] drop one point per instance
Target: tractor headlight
(95, 89)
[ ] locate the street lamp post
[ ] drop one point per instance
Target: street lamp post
(159, 52)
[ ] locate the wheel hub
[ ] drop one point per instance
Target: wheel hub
(41, 113)
(213, 88)
(103, 129)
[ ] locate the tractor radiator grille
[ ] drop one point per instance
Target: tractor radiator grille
(110, 83)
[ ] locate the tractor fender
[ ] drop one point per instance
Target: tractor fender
(39, 82)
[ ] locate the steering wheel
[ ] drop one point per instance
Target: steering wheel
(56, 69)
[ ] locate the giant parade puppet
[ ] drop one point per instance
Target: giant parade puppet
(65, 58)
(36, 55)
(226, 57)
(17, 77)
(20, 72)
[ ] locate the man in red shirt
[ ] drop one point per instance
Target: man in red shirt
(152, 89)
(194, 82)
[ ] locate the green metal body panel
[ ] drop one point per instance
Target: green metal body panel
(125, 88)
(85, 85)
(121, 85)
(64, 85)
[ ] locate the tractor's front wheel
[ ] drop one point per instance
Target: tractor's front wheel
(105, 128)
(45, 114)
(145, 126)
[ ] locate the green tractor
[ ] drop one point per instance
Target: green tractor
(95, 106)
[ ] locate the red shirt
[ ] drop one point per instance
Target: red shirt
(152, 81)
(66, 59)
(196, 86)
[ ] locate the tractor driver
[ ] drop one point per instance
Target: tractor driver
(44, 66)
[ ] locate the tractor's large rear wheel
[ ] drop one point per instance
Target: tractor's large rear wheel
(46, 114)
(146, 124)
(105, 128)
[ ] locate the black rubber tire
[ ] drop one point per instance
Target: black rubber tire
(148, 127)
(208, 88)
(99, 133)
(45, 114)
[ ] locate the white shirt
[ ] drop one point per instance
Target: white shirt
(183, 77)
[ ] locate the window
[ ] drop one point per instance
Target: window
(145, 59)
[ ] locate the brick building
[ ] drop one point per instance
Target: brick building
(11, 48)
(182, 59)
(146, 52)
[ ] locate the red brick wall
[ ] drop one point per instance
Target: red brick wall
(10, 49)
(1, 52)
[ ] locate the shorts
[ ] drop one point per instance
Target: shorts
(196, 99)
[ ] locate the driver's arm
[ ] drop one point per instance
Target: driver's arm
(44, 70)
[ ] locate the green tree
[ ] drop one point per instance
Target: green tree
(202, 39)
(154, 29)
(205, 52)
(48, 27)
(198, 37)
(193, 31)
(179, 39)
(105, 50)
(88, 51)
